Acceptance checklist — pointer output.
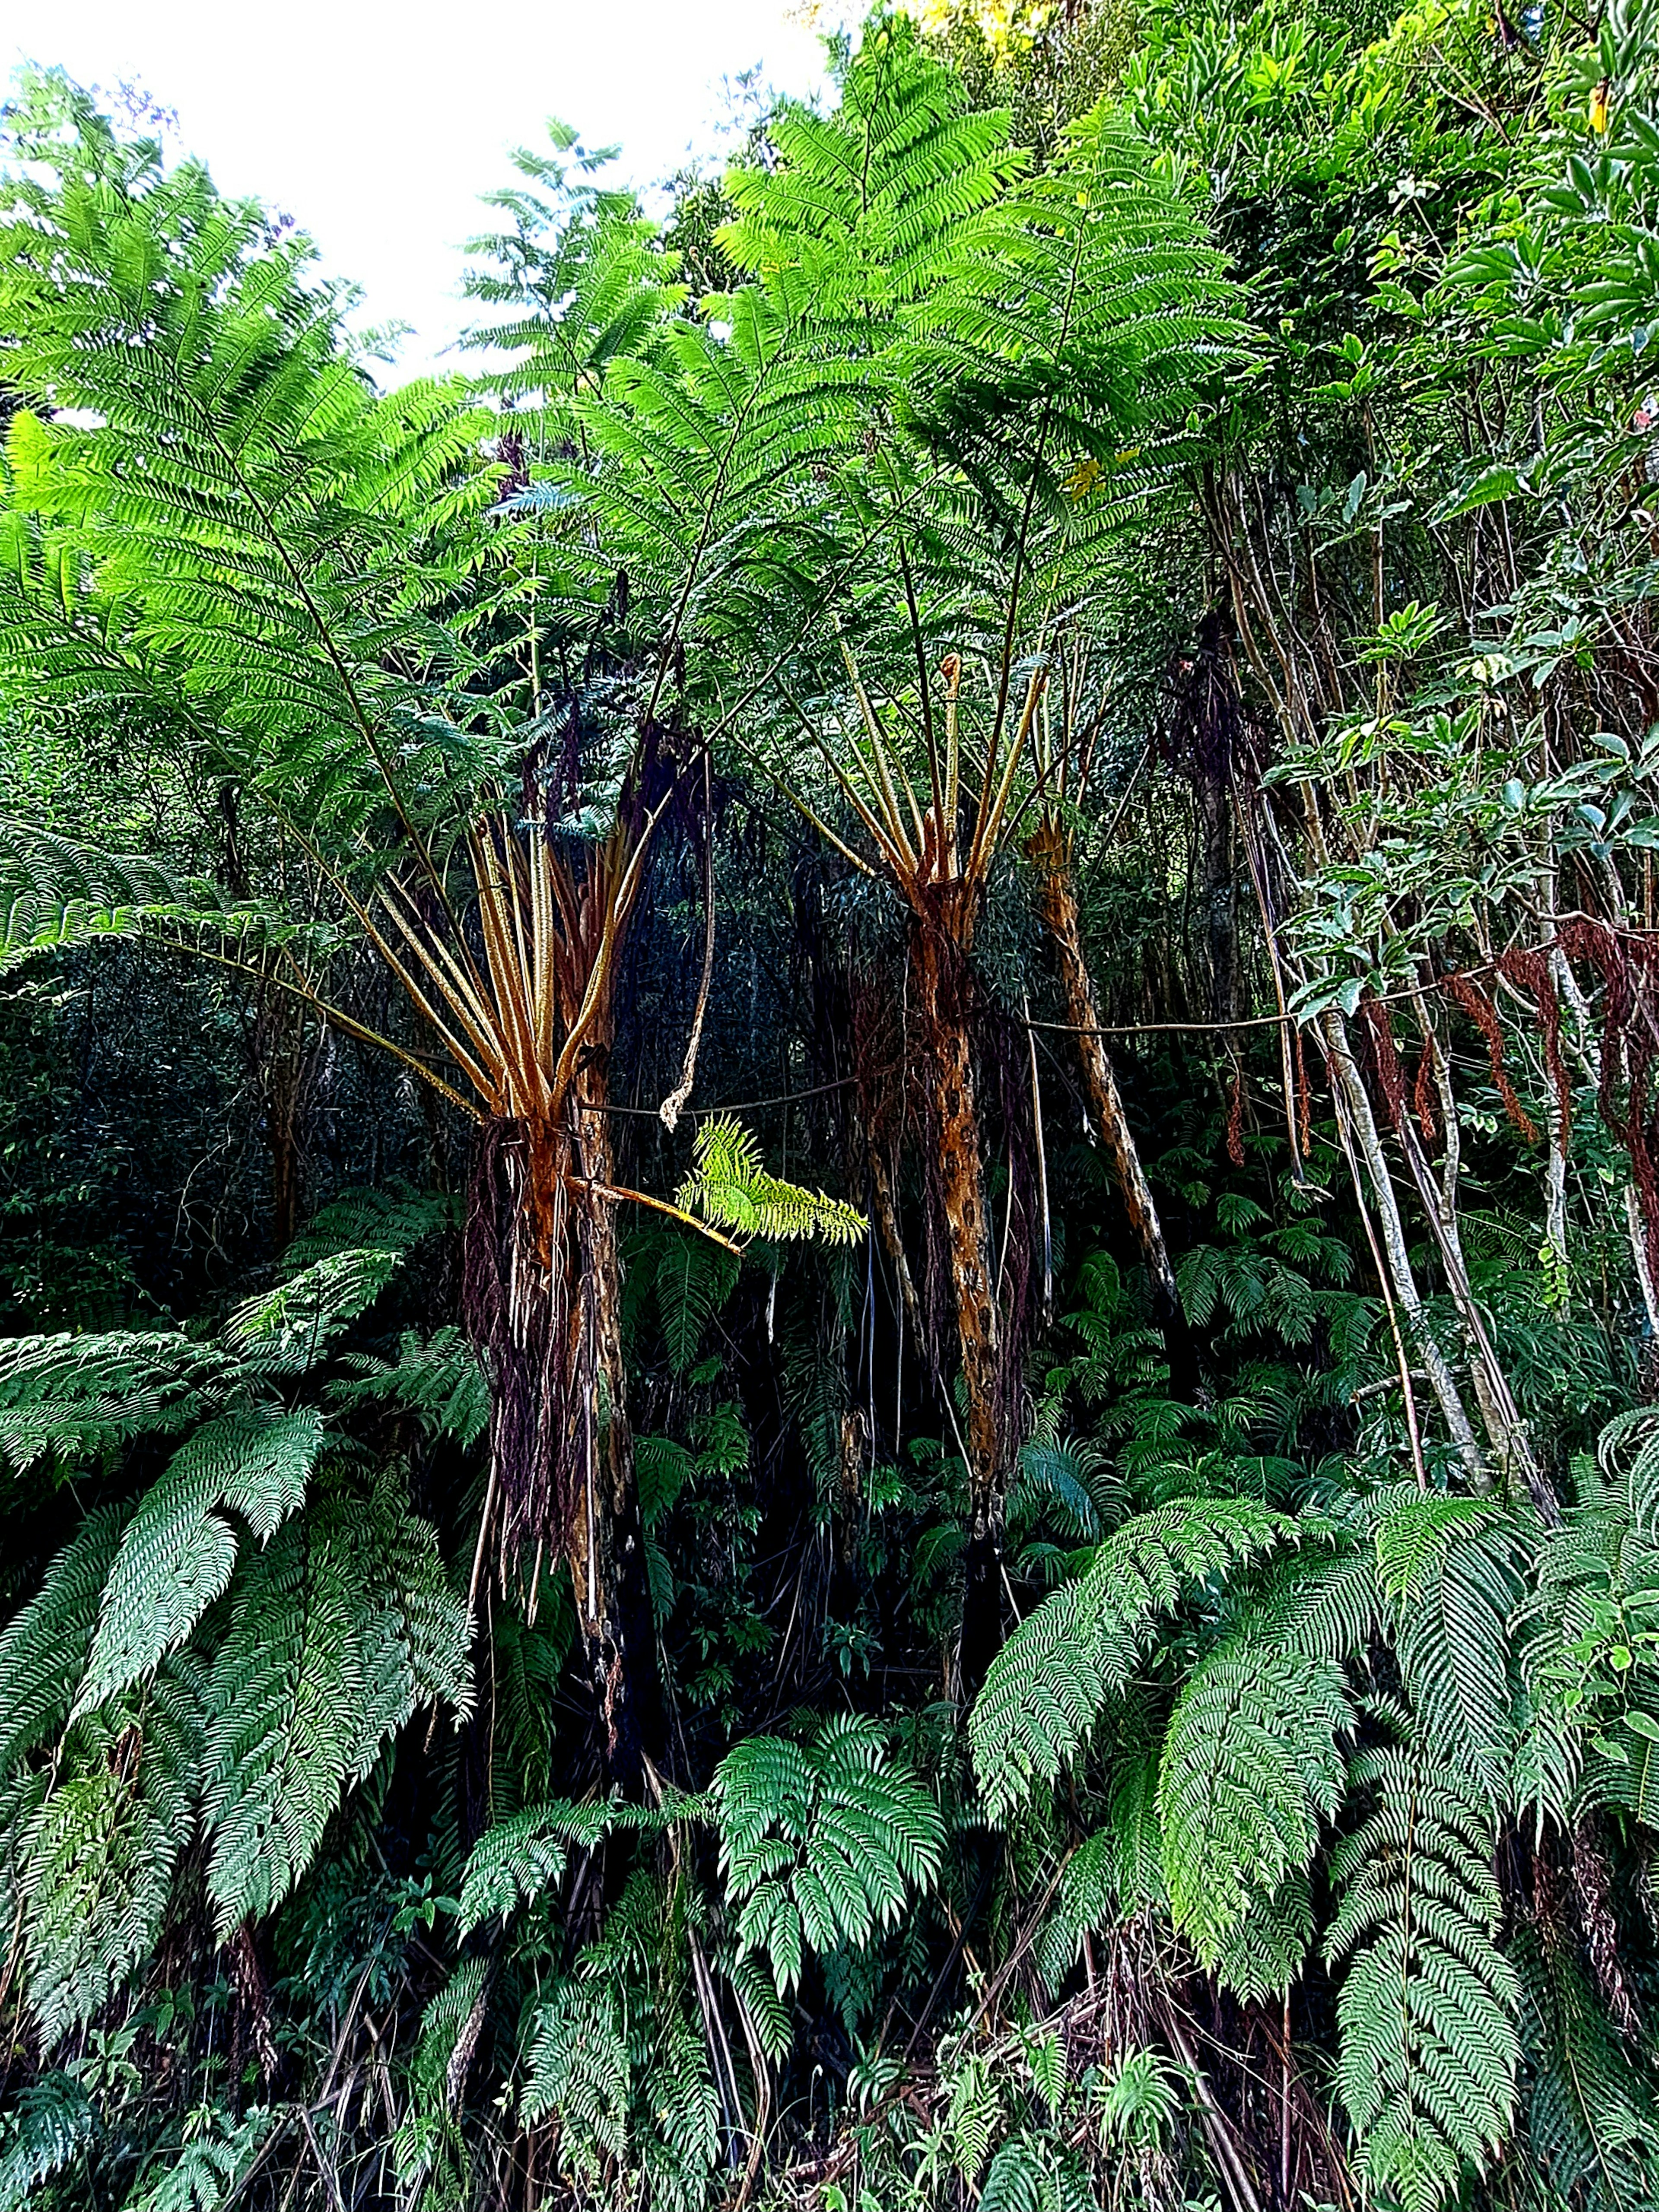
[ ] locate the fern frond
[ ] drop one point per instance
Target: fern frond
(728, 1185)
(1047, 1687)
(50, 2124)
(517, 1859)
(576, 2064)
(55, 893)
(821, 1843)
(438, 1380)
(98, 1858)
(178, 1552)
(78, 1396)
(341, 1627)
(286, 1330)
(1428, 2006)
(44, 1650)
(1251, 1765)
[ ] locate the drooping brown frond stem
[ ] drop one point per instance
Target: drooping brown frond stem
(1049, 848)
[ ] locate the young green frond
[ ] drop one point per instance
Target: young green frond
(729, 1186)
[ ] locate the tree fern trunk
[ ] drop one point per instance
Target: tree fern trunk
(543, 1305)
(959, 1191)
(606, 1540)
(1059, 914)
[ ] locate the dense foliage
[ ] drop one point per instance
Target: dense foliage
(828, 1155)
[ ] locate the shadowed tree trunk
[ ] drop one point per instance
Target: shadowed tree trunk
(939, 963)
(606, 1540)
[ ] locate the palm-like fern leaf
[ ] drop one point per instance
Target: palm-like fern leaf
(1251, 1765)
(1046, 1688)
(1428, 2006)
(178, 1552)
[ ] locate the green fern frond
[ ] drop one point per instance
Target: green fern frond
(438, 1380)
(50, 2124)
(44, 1650)
(178, 1552)
(576, 2064)
(692, 1280)
(54, 892)
(1426, 2014)
(728, 1185)
(974, 2115)
(1047, 1687)
(98, 1858)
(1259, 1955)
(78, 1396)
(1251, 1765)
(1452, 1636)
(821, 1843)
(209, 2167)
(517, 1859)
(286, 1330)
(1591, 2112)
(341, 1628)
(429, 2126)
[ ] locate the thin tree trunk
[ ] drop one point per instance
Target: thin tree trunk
(1346, 1078)
(1060, 916)
(954, 1126)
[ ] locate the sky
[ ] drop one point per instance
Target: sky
(378, 126)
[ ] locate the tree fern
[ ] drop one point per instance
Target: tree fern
(1251, 1765)
(1427, 2009)
(178, 1552)
(1046, 1688)
(821, 1842)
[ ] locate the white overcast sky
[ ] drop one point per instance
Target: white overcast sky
(378, 126)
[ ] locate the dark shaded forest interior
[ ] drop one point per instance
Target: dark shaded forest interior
(828, 1155)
